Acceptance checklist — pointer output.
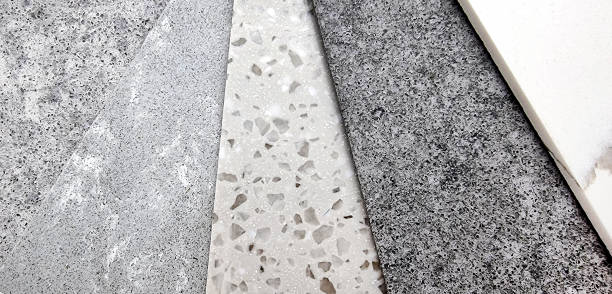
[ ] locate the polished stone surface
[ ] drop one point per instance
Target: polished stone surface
(289, 216)
(461, 194)
(131, 210)
(557, 63)
(57, 59)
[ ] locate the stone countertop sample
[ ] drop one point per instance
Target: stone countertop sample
(461, 194)
(289, 216)
(57, 59)
(132, 208)
(557, 63)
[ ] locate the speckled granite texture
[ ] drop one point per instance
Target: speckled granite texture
(461, 193)
(131, 210)
(57, 59)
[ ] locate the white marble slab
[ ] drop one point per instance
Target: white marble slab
(289, 216)
(556, 55)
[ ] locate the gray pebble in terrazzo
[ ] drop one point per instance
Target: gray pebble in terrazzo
(132, 209)
(57, 59)
(461, 193)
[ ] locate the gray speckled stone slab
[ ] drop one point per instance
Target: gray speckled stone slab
(461, 193)
(131, 211)
(57, 59)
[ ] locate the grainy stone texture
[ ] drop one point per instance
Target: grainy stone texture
(131, 210)
(57, 58)
(461, 193)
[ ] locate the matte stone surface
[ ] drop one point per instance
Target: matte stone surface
(131, 211)
(57, 59)
(461, 193)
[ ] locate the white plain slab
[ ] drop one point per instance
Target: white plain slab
(289, 216)
(556, 56)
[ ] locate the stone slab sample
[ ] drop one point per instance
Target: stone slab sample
(132, 208)
(461, 194)
(57, 59)
(289, 216)
(556, 57)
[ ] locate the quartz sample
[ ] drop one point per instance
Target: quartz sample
(289, 216)
(556, 57)
(131, 210)
(461, 194)
(57, 59)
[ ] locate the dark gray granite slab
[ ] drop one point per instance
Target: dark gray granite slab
(132, 208)
(57, 59)
(461, 193)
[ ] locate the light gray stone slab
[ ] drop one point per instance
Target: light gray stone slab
(57, 59)
(461, 193)
(131, 211)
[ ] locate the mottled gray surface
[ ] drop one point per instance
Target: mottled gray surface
(57, 58)
(461, 193)
(131, 210)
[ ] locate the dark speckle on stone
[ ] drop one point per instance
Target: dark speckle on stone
(239, 42)
(378, 112)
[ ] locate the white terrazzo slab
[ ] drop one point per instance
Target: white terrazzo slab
(289, 216)
(557, 58)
